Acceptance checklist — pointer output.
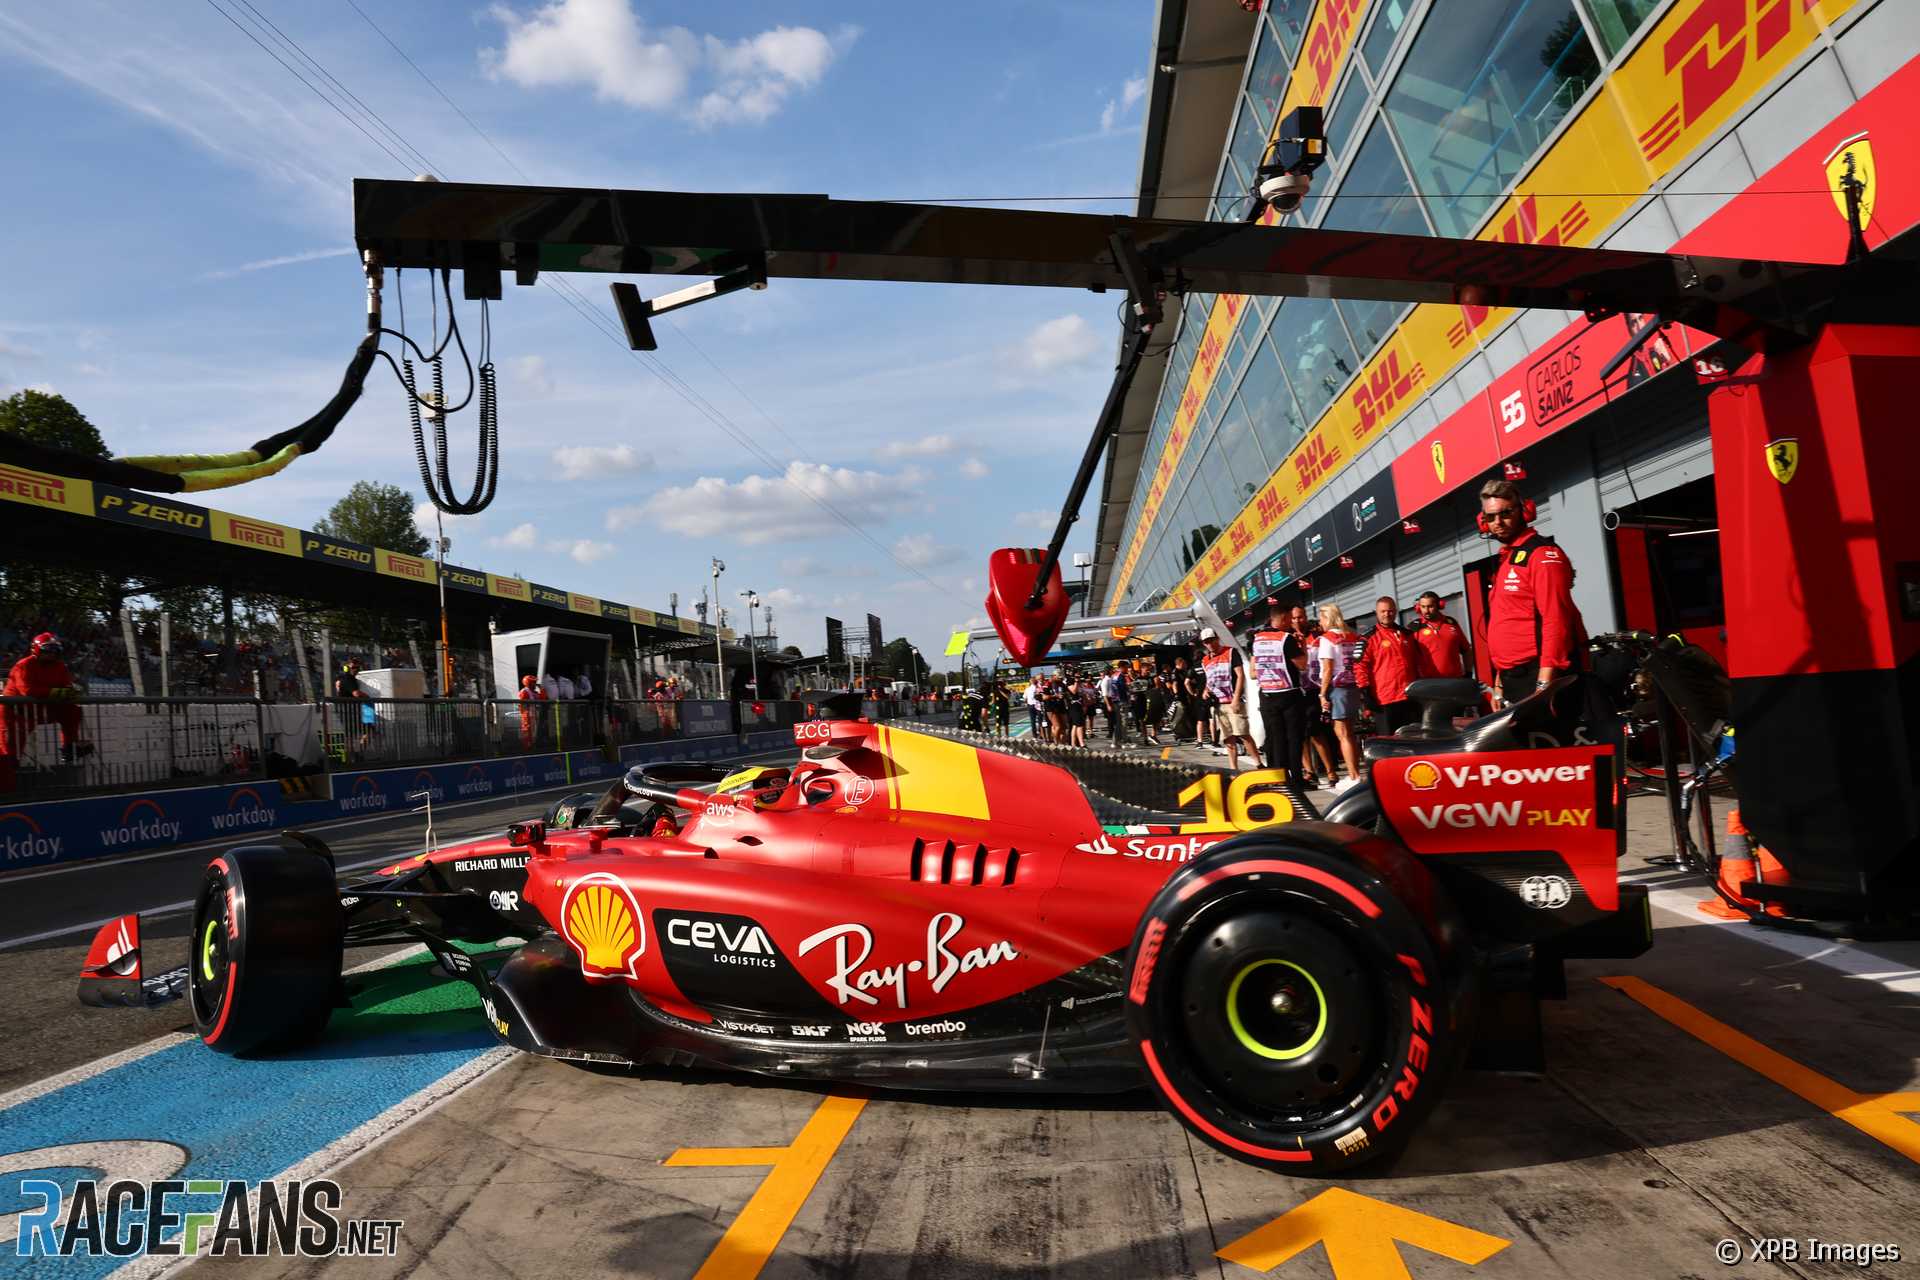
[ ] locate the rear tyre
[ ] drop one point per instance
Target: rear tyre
(266, 950)
(1291, 1009)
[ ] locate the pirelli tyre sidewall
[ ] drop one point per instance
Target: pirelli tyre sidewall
(265, 953)
(1289, 1005)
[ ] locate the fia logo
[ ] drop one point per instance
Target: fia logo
(1546, 893)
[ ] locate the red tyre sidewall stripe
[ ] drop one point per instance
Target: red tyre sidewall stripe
(226, 1003)
(1201, 1123)
(1365, 905)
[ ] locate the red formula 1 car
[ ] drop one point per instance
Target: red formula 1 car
(914, 911)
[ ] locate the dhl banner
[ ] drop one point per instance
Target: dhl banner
(1330, 33)
(1558, 384)
(166, 514)
(1703, 62)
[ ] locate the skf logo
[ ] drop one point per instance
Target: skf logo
(1783, 458)
(254, 533)
(602, 921)
(1422, 776)
(1383, 390)
(1710, 50)
(1439, 462)
(1852, 161)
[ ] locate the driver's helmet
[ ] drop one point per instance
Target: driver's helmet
(47, 645)
(762, 780)
(527, 682)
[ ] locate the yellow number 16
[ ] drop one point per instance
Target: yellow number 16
(1244, 809)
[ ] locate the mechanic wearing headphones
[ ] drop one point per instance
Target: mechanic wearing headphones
(1534, 632)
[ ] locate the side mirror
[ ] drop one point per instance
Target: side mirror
(527, 835)
(1028, 633)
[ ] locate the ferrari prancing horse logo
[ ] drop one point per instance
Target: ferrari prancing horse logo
(1783, 458)
(1853, 158)
(1439, 462)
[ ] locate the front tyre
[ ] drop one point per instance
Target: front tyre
(1291, 1009)
(264, 965)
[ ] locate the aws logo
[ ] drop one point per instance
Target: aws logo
(19, 845)
(475, 782)
(602, 922)
(256, 813)
(137, 825)
(365, 794)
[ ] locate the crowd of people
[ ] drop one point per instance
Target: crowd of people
(1318, 682)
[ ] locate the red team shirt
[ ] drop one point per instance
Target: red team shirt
(1532, 614)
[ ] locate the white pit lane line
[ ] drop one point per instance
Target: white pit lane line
(1887, 971)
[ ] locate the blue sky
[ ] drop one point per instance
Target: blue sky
(179, 221)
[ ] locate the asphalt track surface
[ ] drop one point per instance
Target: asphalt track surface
(1732, 1084)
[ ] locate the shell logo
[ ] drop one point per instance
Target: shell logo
(603, 923)
(1422, 776)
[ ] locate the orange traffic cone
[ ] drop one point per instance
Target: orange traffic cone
(1736, 868)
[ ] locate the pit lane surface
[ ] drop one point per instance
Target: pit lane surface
(1647, 1141)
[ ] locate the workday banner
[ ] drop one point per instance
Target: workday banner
(60, 831)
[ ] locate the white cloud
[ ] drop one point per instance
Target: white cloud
(805, 567)
(764, 508)
(920, 551)
(925, 447)
(265, 264)
(787, 598)
(530, 375)
(520, 537)
(1130, 92)
(1058, 343)
(974, 469)
(16, 351)
(755, 75)
(583, 550)
(603, 45)
(1035, 519)
(587, 461)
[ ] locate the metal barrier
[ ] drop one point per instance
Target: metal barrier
(54, 748)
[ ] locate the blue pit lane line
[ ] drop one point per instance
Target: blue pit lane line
(244, 1118)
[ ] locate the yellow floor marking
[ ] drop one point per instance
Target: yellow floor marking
(751, 1240)
(1875, 1114)
(1359, 1233)
(1166, 753)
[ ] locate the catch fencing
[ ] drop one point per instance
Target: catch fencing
(59, 748)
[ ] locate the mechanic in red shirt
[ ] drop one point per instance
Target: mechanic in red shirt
(1443, 645)
(1389, 660)
(1534, 631)
(41, 674)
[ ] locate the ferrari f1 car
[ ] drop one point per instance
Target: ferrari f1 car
(913, 911)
